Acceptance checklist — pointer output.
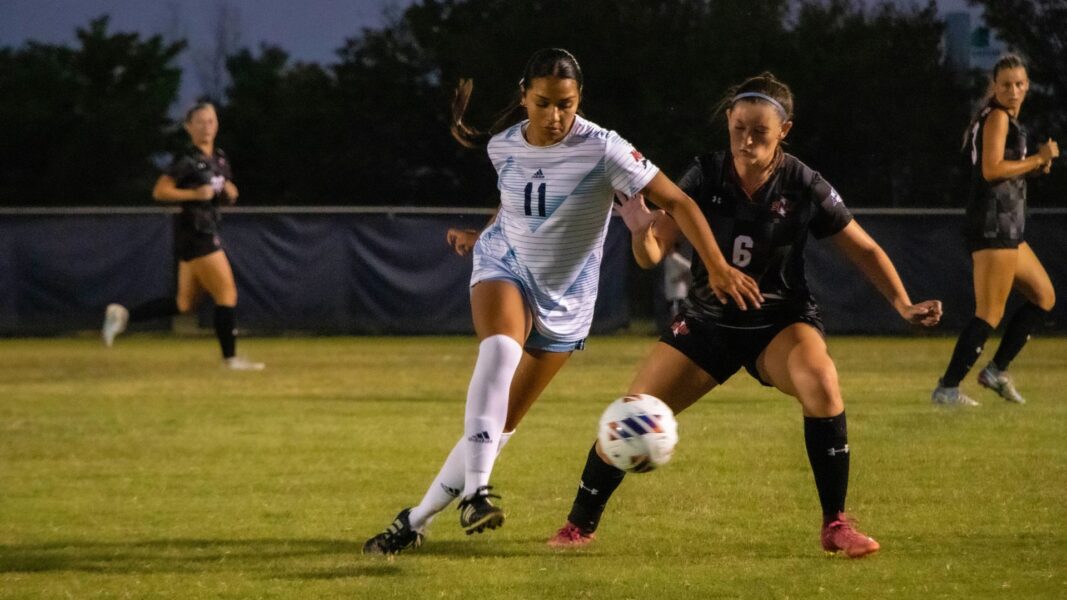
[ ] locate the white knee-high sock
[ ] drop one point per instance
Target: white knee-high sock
(487, 407)
(446, 486)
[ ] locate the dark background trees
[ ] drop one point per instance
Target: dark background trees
(877, 112)
(81, 125)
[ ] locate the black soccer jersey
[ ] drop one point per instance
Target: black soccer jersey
(191, 170)
(764, 237)
(996, 210)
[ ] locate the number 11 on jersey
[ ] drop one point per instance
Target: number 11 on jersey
(540, 199)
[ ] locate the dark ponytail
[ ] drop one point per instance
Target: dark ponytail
(547, 62)
(1008, 61)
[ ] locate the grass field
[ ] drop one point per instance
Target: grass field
(146, 471)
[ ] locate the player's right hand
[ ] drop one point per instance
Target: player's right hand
(462, 240)
(204, 192)
(634, 211)
(732, 284)
(1049, 150)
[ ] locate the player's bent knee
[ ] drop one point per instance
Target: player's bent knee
(1047, 300)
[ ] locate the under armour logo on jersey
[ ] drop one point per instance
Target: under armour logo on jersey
(482, 437)
(836, 451)
(539, 175)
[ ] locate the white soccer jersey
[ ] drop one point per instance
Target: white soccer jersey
(555, 205)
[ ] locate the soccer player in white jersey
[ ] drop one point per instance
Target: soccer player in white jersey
(536, 270)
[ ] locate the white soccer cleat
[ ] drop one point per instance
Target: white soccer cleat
(1001, 383)
(951, 396)
(115, 318)
(240, 363)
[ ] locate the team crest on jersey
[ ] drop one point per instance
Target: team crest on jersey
(835, 198)
(781, 207)
(679, 328)
(639, 157)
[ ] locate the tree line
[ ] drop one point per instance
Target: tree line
(878, 111)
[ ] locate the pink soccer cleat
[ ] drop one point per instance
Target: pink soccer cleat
(839, 535)
(571, 536)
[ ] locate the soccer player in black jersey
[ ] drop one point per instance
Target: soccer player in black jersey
(199, 180)
(995, 147)
(761, 204)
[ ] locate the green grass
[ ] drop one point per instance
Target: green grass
(148, 471)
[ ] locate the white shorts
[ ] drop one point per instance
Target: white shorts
(495, 261)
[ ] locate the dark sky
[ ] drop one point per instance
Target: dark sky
(310, 30)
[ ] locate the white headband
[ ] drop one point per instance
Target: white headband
(775, 103)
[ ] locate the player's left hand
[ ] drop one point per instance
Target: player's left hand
(635, 212)
(926, 313)
(462, 240)
(229, 192)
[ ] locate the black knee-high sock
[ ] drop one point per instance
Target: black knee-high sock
(599, 481)
(1022, 324)
(154, 309)
(968, 349)
(226, 329)
(826, 439)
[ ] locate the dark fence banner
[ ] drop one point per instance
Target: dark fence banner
(390, 271)
(334, 272)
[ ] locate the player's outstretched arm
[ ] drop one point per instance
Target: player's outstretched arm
(725, 281)
(862, 251)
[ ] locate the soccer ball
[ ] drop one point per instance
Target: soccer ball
(638, 432)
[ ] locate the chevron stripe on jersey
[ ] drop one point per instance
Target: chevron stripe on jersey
(555, 205)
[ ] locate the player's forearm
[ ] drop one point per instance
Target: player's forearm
(875, 265)
(1006, 169)
(696, 230)
(164, 193)
(647, 248)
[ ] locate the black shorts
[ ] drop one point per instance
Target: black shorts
(190, 245)
(722, 350)
(998, 221)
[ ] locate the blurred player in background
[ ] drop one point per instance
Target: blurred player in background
(198, 180)
(995, 148)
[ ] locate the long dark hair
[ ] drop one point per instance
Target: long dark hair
(547, 62)
(1008, 61)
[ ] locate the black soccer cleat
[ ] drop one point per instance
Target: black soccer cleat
(399, 536)
(477, 513)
